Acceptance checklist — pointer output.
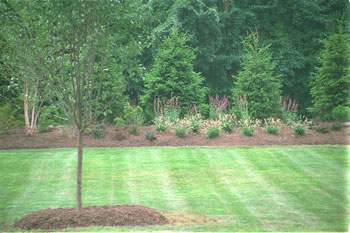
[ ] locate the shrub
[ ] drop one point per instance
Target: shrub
(212, 132)
(97, 133)
(248, 130)
(272, 126)
(132, 115)
(289, 110)
(160, 124)
(336, 126)
(180, 131)
(133, 130)
(299, 129)
(217, 107)
(194, 119)
(194, 123)
(150, 135)
(119, 122)
(273, 129)
(341, 113)
(227, 122)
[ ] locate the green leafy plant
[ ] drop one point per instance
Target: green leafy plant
(98, 133)
(248, 130)
(273, 129)
(212, 132)
(172, 74)
(150, 135)
(227, 122)
(160, 124)
(180, 131)
(257, 80)
(336, 126)
(194, 119)
(217, 106)
(330, 82)
(289, 110)
(118, 122)
(132, 115)
(7, 118)
(341, 113)
(299, 129)
(272, 126)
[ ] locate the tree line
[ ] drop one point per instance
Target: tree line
(141, 50)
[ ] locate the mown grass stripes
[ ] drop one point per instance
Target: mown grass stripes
(294, 188)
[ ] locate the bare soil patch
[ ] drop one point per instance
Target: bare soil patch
(112, 215)
(61, 137)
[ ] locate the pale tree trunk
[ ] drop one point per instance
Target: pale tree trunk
(26, 110)
(31, 123)
(79, 168)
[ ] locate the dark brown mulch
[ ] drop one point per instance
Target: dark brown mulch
(62, 137)
(112, 215)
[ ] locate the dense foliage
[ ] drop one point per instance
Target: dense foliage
(172, 75)
(35, 34)
(257, 81)
(331, 83)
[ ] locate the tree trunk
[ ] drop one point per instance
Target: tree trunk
(26, 109)
(79, 168)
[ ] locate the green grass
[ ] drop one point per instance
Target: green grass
(292, 188)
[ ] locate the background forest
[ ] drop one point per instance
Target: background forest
(82, 62)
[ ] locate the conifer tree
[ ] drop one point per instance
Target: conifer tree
(172, 75)
(256, 80)
(331, 81)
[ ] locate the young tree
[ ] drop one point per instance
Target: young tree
(85, 72)
(331, 82)
(173, 75)
(257, 80)
(26, 42)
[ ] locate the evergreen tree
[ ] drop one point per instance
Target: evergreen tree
(172, 75)
(330, 85)
(256, 80)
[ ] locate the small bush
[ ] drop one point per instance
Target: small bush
(336, 126)
(272, 129)
(194, 123)
(227, 122)
(180, 131)
(322, 130)
(119, 122)
(132, 115)
(160, 124)
(133, 130)
(299, 129)
(212, 132)
(341, 113)
(150, 135)
(161, 127)
(97, 133)
(248, 130)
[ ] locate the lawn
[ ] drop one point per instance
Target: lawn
(289, 188)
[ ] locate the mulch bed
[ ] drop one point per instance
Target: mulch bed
(61, 137)
(112, 215)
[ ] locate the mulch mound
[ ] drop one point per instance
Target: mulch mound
(112, 215)
(61, 137)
